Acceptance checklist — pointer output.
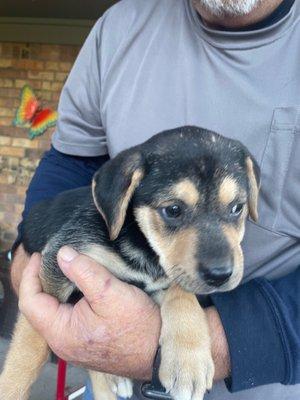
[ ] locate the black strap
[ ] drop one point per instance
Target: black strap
(154, 389)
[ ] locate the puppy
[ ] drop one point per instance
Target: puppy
(167, 216)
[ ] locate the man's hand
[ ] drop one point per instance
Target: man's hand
(114, 328)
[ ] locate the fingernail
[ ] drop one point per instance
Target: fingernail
(67, 254)
(35, 255)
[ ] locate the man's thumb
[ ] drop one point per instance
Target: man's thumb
(91, 278)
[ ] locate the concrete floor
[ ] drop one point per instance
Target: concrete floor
(44, 388)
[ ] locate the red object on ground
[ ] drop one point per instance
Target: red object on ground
(61, 380)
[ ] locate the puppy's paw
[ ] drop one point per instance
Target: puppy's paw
(186, 372)
(122, 387)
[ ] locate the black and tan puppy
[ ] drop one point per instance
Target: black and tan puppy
(168, 216)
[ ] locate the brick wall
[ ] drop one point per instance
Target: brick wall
(45, 68)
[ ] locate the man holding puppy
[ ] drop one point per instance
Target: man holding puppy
(149, 65)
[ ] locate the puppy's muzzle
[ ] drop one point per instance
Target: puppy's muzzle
(216, 275)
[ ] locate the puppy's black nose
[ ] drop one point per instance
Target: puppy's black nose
(216, 276)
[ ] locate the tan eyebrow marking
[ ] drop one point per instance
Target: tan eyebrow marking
(176, 249)
(186, 191)
(228, 190)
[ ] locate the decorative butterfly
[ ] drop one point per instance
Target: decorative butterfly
(30, 114)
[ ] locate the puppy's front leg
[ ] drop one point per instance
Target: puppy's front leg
(187, 368)
(27, 354)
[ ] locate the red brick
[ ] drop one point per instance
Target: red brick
(7, 112)
(61, 76)
(5, 140)
(8, 189)
(34, 51)
(46, 85)
(44, 95)
(5, 63)
(9, 92)
(43, 75)
(19, 208)
(44, 144)
(11, 151)
(21, 190)
(5, 121)
(31, 65)
(9, 216)
(33, 154)
(14, 197)
(56, 86)
(13, 73)
(19, 83)
(9, 103)
(6, 178)
(52, 86)
(6, 83)
(50, 52)
(52, 66)
(55, 97)
(65, 66)
(48, 134)
(3, 50)
(52, 104)
(10, 50)
(6, 207)
(24, 143)
(13, 131)
(70, 54)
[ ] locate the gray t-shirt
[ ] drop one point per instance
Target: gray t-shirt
(150, 65)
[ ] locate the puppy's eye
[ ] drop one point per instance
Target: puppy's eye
(236, 209)
(171, 212)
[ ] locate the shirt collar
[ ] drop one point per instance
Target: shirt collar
(244, 39)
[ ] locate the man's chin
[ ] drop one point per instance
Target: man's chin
(229, 8)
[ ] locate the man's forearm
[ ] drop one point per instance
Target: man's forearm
(260, 317)
(220, 350)
(18, 265)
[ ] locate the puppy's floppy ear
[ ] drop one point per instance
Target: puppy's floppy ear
(253, 172)
(113, 187)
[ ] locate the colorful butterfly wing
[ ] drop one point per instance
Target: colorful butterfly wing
(27, 109)
(43, 120)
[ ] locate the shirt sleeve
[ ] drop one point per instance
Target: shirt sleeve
(79, 128)
(56, 173)
(261, 320)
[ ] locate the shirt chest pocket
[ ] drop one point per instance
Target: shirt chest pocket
(279, 203)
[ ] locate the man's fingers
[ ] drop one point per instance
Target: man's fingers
(94, 281)
(32, 301)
